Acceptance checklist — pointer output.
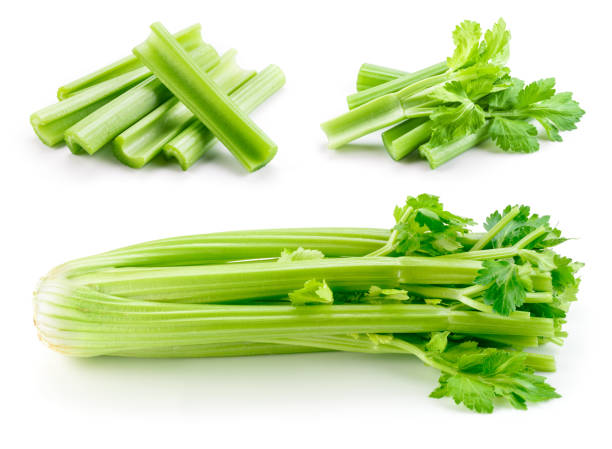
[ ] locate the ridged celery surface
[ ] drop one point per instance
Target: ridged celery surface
(195, 140)
(141, 142)
(466, 304)
(189, 38)
(51, 123)
(103, 125)
(371, 75)
(463, 100)
(194, 88)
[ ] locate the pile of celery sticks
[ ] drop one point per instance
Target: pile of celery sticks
(465, 303)
(445, 109)
(174, 96)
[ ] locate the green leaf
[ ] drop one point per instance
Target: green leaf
(387, 293)
(516, 136)
(506, 98)
(313, 292)
(300, 254)
(438, 341)
(505, 292)
(496, 45)
(558, 113)
(467, 44)
(471, 392)
(537, 91)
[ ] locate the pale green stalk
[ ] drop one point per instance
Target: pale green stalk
(103, 125)
(196, 139)
(195, 89)
(371, 75)
(403, 139)
(189, 38)
(141, 142)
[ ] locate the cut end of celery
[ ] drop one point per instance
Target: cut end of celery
(48, 139)
(76, 145)
(124, 157)
(170, 151)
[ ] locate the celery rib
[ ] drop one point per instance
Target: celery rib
(140, 143)
(403, 139)
(195, 140)
(371, 75)
(189, 38)
(194, 88)
(103, 125)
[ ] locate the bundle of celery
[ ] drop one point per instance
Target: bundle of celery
(450, 107)
(466, 304)
(176, 96)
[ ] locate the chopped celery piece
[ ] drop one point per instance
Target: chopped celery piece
(189, 38)
(192, 143)
(103, 125)
(394, 84)
(371, 75)
(192, 86)
(51, 123)
(140, 143)
(440, 154)
(403, 139)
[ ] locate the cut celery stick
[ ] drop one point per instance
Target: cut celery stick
(193, 142)
(365, 96)
(189, 38)
(191, 85)
(102, 126)
(51, 123)
(439, 155)
(406, 137)
(371, 75)
(140, 143)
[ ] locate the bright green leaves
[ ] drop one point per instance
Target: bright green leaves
(496, 45)
(300, 254)
(438, 341)
(514, 135)
(313, 292)
(423, 226)
(477, 377)
(467, 44)
(512, 108)
(506, 290)
(520, 226)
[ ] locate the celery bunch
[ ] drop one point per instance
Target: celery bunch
(465, 303)
(175, 91)
(450, 107)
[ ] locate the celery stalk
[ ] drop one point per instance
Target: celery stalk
(81, 321)
(192, 86)
(403, 139)
(394, 85)
(438, 155)
(189, 38)
(371, 75)
(102, 126)
(193, 142)
(140, 143)
(51, 123)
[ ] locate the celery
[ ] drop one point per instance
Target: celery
(371, 75)
(51, 123)
(102, 126)
(193, 142)
(464, 303)
(406, 137)
(189, 38)
(137, 145)
(191, 85)
(440, 154)
(394, 84)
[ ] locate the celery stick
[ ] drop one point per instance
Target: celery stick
(140, 143)
(193, 142)
(438, 155)
(403, 139)
(189, 38)
(394, 85)
(191, 85)
(51, 123)
(103, 125)
(371, 75)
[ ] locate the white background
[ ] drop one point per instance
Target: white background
(56, 206)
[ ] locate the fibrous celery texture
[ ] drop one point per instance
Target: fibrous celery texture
(162, 53)
(128, 106)
(450, 107)
(465, 303)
